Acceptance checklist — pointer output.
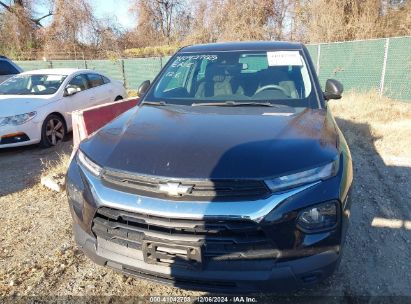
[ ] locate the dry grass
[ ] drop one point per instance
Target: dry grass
(151, 51)
(371, 107)
(131, 93)
(387, 122)
(56, 167)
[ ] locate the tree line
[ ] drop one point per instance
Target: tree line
(70, 26)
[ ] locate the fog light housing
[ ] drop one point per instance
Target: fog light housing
(319, 217)
(13, 138)
(75, 197)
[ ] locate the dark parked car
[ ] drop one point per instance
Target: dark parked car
(230, 174)
(8, 68)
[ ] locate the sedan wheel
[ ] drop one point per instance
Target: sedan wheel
(53, 131)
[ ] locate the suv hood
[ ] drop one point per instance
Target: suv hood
(214, 142)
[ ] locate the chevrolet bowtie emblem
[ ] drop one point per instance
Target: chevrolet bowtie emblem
(174, 189)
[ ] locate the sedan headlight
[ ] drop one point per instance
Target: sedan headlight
(88, 164)
(17, 119)
(319, 217)
(304, 177)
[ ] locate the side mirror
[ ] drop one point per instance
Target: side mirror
(143, 88)
(69, 91)
(333, 89)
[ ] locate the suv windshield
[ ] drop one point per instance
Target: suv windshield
(277, 77)
(35, 84)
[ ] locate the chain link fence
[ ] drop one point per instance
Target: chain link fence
(379, 64)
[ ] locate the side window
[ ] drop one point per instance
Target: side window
(105, 79)
(79, 82)
(95, 80)
(6, 68)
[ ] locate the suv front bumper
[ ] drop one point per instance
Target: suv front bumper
(265, 276)
(305, 258)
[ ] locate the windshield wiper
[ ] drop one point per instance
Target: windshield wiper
(154, 103)
(235, 104)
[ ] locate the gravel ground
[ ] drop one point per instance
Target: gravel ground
(38, 255)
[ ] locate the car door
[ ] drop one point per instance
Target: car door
(100, 91)
(7, 70)
(82, 98)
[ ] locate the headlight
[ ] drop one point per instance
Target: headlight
(304, 177)
(319, 217)
(17, 119)
(88, 164)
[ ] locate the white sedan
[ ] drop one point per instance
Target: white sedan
(36, 106)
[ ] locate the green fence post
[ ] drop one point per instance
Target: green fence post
(384, 66)
(318, 59)
(124, 73)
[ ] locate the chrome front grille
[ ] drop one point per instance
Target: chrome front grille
(199, 190)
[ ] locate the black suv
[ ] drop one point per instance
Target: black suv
(230, 174)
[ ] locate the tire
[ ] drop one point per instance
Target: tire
(118, 98)
(53, 131)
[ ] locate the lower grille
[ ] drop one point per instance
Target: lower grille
(218, 239)
(200, 284)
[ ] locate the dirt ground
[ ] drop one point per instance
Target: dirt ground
(38, 255)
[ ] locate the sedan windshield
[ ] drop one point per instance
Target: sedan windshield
(34, 84)
(247, 77)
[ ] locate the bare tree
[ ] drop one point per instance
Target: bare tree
(279, 18)
(17, 29)
(156, 19)
(199, 30)
(217, 20)
(73, 27)
(19, 6)
(164, 12)
(397, 21)
(108, 36)
(335, 20)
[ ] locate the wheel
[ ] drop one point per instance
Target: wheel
(118, 98)
(53, 131)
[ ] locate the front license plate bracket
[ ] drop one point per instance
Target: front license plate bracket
(161, 253)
